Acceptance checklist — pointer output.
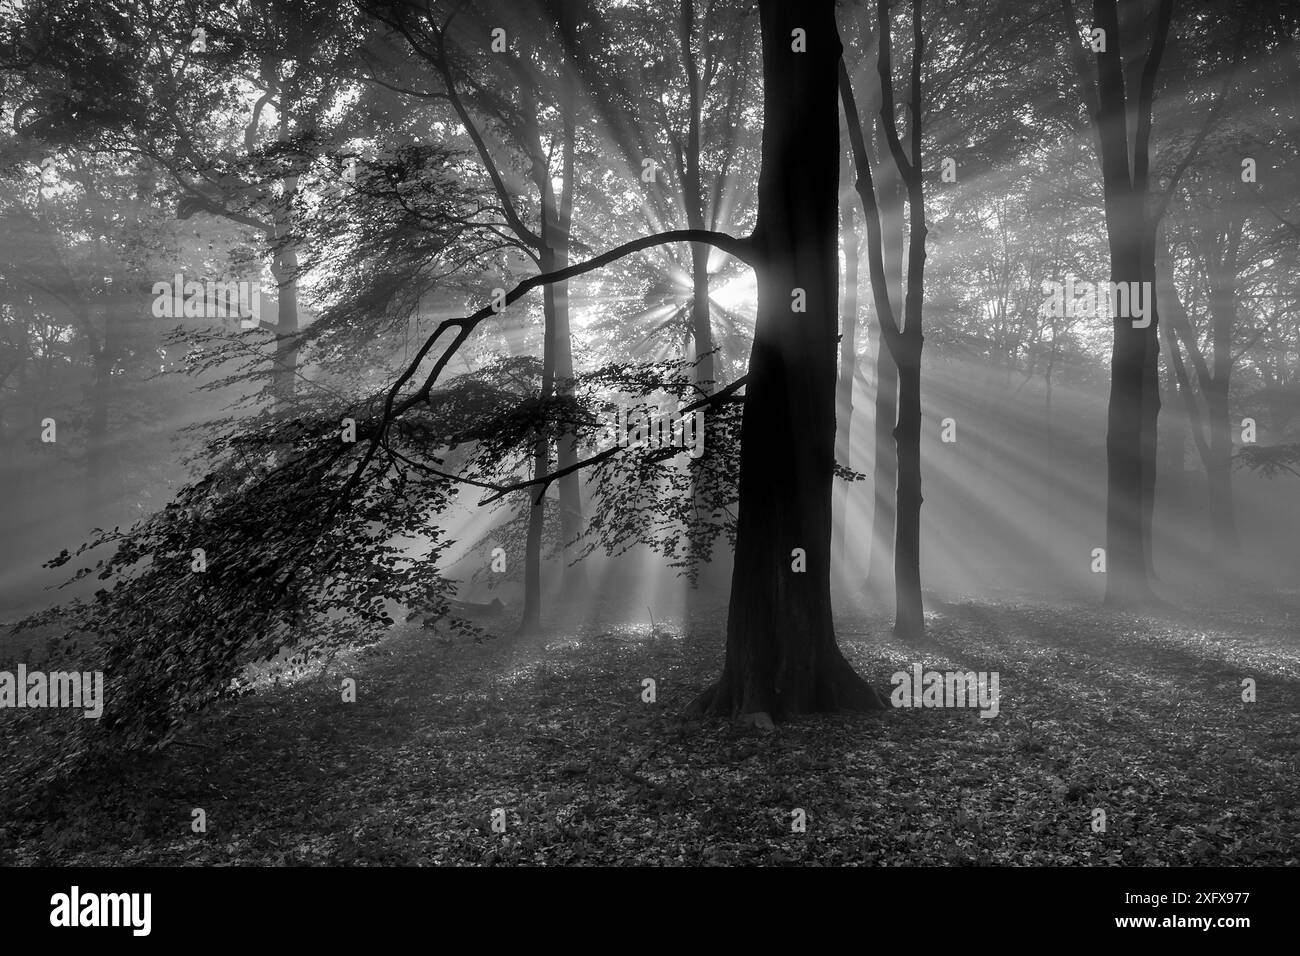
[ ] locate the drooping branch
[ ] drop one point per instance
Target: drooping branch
(741, 248)
(715, 398)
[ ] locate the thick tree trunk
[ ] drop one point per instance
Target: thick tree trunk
(1134, 396)
(1126, 561)
(782, 658)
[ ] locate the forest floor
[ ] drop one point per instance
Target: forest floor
(1141, 717)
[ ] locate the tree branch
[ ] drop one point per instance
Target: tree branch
(740, 248)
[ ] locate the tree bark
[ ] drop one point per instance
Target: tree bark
(1223, 319)
(1134, 395)
(884, 473)
(782, 658)
(844, 389)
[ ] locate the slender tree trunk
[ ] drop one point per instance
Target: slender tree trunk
(701, 307)
(884, 480)
(1173, 474)
(1223, 522)
(1134, 394)
(701, 326)
(1223, 318)
(97, 463)
(103, 359)
(884, 473)
(848, 371)
(284, 268)
(531, 620)
(782, 658)
(705, 380)
(1150, 406)
(909, 615)
(570, 485)
(557, 376)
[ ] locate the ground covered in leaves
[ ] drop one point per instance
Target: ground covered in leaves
(1139, 716)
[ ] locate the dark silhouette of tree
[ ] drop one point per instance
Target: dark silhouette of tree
(782, 658)
(1119, 100)
(904, 341)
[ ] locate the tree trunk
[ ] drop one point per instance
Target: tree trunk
(1134, 395)
(705, 380)
(1223, 522)
(1126, 563)
(782, 658)
(884, 479)
(531, 620)
(285, 270)
(844, 396)
(701, 309)
(909, 617)
(884, 474)
(1149, 442)
(104, 357)
(575, 576)
(1223, 318)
